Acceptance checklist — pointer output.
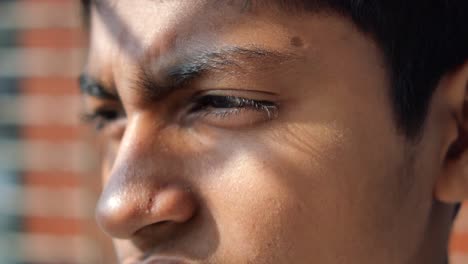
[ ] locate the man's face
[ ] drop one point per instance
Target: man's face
(251, 135)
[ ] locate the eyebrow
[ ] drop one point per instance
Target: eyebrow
(231, 60)
(89, 86)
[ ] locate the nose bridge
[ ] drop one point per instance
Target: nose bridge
(137, 139)
(134, 150)
(139, 191)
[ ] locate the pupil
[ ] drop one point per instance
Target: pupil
(222, 102)
(215, 101)
(109, 115)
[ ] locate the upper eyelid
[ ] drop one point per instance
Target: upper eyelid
(256, 95)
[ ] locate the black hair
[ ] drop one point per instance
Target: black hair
(421, 41)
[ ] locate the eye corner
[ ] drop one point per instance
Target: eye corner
(102, 117)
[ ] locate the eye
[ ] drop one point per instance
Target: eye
(232, 111)
(102, 117)
(229, 102)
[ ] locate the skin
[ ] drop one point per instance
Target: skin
(320, 174)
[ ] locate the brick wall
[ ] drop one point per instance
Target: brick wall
(459, 241)
(47, 188)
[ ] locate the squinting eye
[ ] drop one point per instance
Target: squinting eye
(230, 102)
(233, 110)
(102, 117)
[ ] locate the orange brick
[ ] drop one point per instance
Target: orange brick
(52, 38)
(55, 2)
(54, 226)
(53, 179)
(52, 133)
(49, 86)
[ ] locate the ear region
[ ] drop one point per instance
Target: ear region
(452, 183)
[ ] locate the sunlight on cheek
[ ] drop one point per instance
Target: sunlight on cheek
(309, 143)
(267, 202)
(252, 203)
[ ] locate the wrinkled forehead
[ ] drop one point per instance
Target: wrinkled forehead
(121, 29)
(170, 23)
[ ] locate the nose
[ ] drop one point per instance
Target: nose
(143, 188)
(124, 213)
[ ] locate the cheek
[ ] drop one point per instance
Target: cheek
(252, 209)
(284, 198)
(267, 197)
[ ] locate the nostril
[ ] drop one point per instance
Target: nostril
(174, 204)
(149, 205)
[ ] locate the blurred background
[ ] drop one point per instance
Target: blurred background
(48, 178)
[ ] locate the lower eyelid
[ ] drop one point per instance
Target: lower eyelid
(225, 112)
(267, 112)
(234, 119)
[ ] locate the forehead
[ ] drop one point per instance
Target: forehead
(128, 37)
(122, 31)
(172, 22)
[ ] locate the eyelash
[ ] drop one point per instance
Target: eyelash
(101, 117)
(218, 105)
(228, 105)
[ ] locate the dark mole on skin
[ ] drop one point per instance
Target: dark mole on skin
(297, 42)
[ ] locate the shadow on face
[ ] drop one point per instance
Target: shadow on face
(250, 137)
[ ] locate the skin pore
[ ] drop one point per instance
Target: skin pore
(258, 137)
